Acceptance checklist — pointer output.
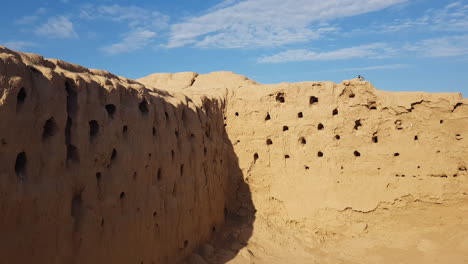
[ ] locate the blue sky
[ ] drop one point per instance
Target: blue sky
(418, 45)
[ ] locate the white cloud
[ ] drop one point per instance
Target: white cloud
(142, 25)
(253, 23)
(452, 17)
(28, 20)
(135, 17)
(19, 45)
(373, 68)
(57, 27)
(132, 41)
(447, 46)
(440, 47)
(370, 51)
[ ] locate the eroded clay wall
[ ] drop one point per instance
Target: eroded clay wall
(321, 148)
(310, 151)
(96, 168)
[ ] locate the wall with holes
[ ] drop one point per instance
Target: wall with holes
(96, 168)
(310, 147)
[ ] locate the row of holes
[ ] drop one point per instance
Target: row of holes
(312, 100)
(321, 154)
(303, 141)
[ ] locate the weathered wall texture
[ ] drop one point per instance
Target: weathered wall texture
(96, 168)
(322, 158)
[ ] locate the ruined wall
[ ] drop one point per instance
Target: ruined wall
(320, 158)
(96, 168)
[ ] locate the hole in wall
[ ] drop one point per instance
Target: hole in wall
(143, 106)
(114, 154)
(313, 100)
(335, 111)
(269, 142)
(98, 176)
(285, 128)
(93, 129)
(320, 126)
(396, 154)
(320, 154)
(155, 214)
(398, 124)
(357, 124)
(441, 121)
(182, 170)
(237, 113)
(352, 95)
(302, 140)
(357, 154)
(299, 115)
(20, 98)
(122, 195)
(375, 139)
(255, 156)
(185, 243)
(167, 116)
(280, 98)
(124, 130)
(110, 108)
(154, 131)
(20, 165)
(306, 167)
(286, 156)
(267, 117)
(337, 137)
(159, 175)
(50, 128)
(72, 153)
(416, 138)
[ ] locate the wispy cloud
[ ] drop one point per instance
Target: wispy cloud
(133, 16)
(452, 17)
(259, 23)
(370, 51)
(132, 41)
(373, 68)
(447, 46)
(19, 45)
(440, 47)
(30, 19)
(142, 25)
(57, 27)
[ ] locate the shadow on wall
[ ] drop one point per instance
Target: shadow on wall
(239, 214)
(92, 174)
